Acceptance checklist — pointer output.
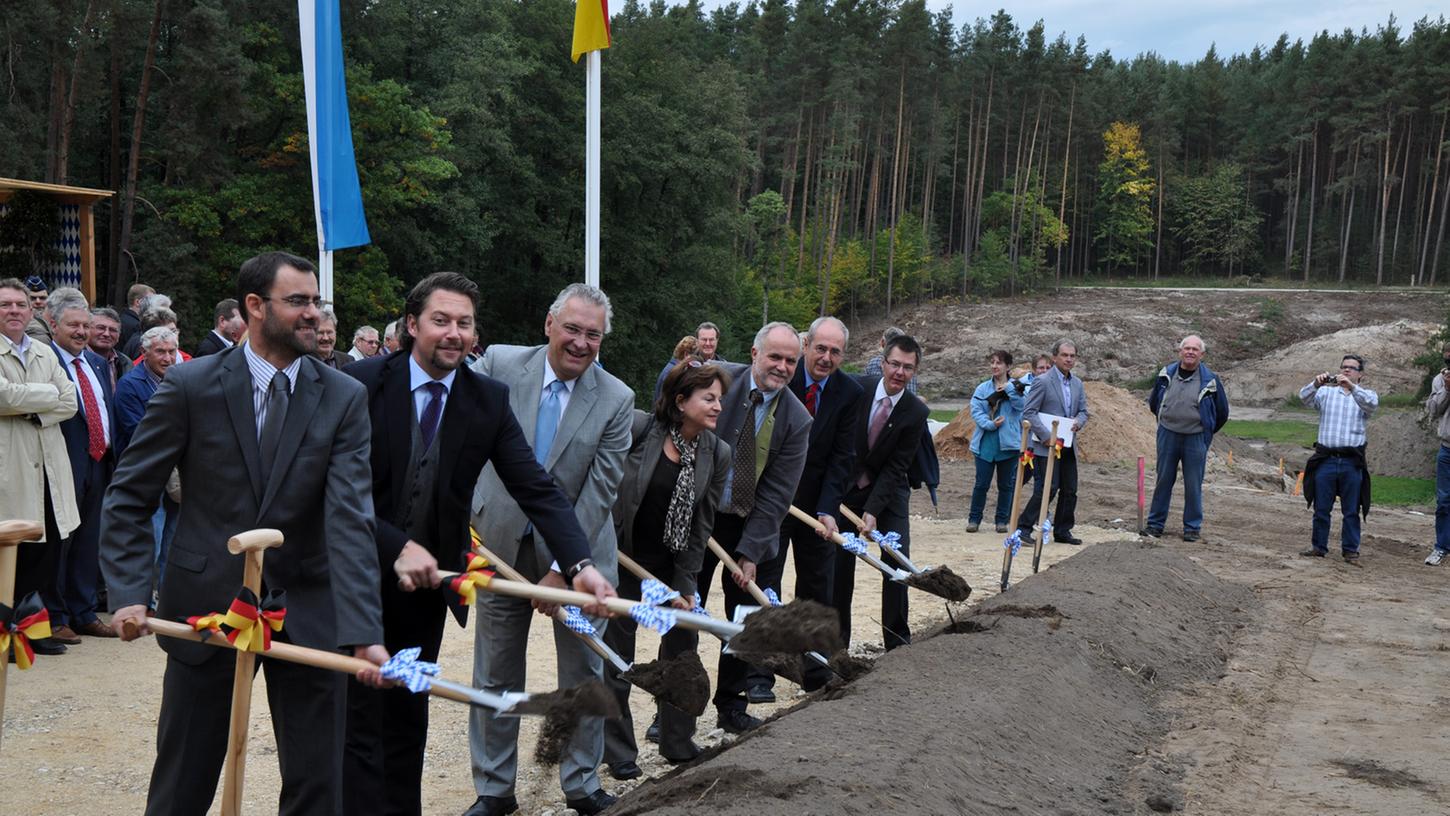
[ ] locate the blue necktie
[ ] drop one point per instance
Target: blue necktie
(432, 412)
(548, 422)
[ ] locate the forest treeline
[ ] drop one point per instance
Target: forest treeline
(768, 157)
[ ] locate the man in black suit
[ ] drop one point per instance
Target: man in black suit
(73, 600)
(768, 429)
(435, 423)
(131, 315)
(266, 437)
(889, 426)
(830, 396)
(227, 328)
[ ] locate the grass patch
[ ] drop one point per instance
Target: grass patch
(1401, 490)
(1278, 431)
(1401, 401)
(943, 414)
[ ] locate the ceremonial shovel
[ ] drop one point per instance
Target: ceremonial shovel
(755, 592)
(939, 581)
(250, 545)
(11, 534)
(1014, 541)
(1042, 528)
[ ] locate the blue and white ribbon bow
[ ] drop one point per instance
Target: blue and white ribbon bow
(575, 621)
(888, 541)
(414, 674)
(853, 544)
(1047, 526)
(1013, 542)
(699, 607)
(659, 618)
(654, 592)
(772, 597)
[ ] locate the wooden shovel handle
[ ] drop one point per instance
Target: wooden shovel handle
(560, 615)
(264, 538)
(17, 530)
(1046, 492)
(634, 566)
(753, 588)
(861, 524)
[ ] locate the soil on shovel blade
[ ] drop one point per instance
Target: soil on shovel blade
(941, 581)
(680, 681)
(799, 626)
(1053, 704)
(563, 711)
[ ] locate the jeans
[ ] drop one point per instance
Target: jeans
(1191, 452)
(163, 527)
(1006, 471)
(1442, 499)
(1337, 476)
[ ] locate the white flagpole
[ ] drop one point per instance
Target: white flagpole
(324, 276)
(591, 169)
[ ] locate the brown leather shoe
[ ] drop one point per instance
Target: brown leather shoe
(64, 634)
(97, 629)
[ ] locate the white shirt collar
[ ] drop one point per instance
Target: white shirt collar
(550, 376)
(226, 343)
(881, 392)
(417, 377)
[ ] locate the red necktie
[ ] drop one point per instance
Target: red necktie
(93, 412)
(811, 394)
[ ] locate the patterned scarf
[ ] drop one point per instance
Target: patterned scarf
(682, 501)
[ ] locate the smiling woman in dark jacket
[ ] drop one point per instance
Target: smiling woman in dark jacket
(673, 480)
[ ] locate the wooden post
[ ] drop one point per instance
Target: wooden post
(250, 545)
(11, 534)
(1142, 468)
(1042, 513)
(1017, 499)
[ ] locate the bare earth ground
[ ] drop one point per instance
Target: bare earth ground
(1333, 697)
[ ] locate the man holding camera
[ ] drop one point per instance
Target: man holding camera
(1337, 468)
(1437, 403)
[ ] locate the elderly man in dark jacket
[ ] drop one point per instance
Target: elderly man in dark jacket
(1191, 405)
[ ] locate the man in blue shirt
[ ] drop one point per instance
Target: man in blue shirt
(1337, 468)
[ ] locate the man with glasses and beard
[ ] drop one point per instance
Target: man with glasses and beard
(270, 438)
(435, 424)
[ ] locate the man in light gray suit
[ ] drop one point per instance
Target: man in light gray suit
(768, 430)
(265, 436)
(577, 417)
(1060, 394)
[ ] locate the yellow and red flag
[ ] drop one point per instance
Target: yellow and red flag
(591, 26)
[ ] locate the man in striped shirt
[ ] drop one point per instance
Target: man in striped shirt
(1337, 468)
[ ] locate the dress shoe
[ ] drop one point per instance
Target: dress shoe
(1073, 540)
(973, 526)
(1191, 536)
(1001, 528)
(1154, 532)
(493, 806)
(64, 634)
(625, 770)
(45, 646)
(1352, 559)
(736, 721)
(1313, 553)
(760, 694)
(693, 755)
(596, 802)
(97, 629)
(652, 734)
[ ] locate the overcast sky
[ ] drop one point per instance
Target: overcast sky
(1184, 30)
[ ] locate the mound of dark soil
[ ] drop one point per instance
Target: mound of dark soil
(680, 681)
(1040, 709)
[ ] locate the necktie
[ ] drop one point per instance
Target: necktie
(432, 412)
(812, 394)
(277, 398)
(547, 425)
(878, 424)
(94, 428)
(742, 482)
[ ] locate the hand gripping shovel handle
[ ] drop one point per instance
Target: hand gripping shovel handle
(645, 575)
(893, 574)
(594, 642)
(897, 555)
(1017, 499)
(754, 589)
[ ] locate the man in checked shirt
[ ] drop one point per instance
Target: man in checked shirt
(1337, 468)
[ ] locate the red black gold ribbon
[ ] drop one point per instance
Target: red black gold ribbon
(26, 622)
(1057, 448)
(247, 624)
(1027, 457)
(475, 574)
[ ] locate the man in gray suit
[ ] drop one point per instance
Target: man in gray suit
(577, 417)
(269, 437)
(1060, 394)
(768, 454)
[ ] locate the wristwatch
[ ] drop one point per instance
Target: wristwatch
(573, 572)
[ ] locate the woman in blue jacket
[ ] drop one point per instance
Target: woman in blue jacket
(997, 441)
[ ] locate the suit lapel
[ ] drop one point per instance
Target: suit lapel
(654, 442)
(524, 392)
(581, 402)
(237, 386)
(398, 402)
(305, 397)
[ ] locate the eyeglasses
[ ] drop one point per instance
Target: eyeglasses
(298, 301)
(905, 368)
(1350, 368)
(591, 335)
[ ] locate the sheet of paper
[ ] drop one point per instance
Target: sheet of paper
(1064, 428)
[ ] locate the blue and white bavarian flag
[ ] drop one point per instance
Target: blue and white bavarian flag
(336, 194)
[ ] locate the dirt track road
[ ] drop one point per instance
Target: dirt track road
(1335, 699)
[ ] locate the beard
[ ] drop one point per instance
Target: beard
(281, 335)
(442, 363)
